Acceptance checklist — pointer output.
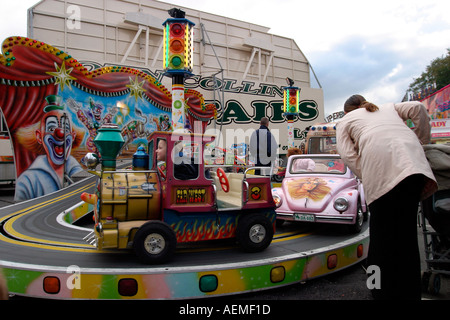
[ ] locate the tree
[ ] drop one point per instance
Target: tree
(435, 77)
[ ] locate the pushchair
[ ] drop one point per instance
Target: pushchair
(436, 210)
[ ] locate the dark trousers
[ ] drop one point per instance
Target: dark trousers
(393, 241)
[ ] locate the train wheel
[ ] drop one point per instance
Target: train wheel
(254, 232)
(155, 242)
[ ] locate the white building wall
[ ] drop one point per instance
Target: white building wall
(102, 35)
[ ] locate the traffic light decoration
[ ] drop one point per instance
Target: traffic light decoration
(178, 46)
(291, 100)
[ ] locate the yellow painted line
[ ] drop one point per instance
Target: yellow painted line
(75, 247)
(43, 246)
(280, 235)
(291, 238)
(42, 243)
(285, 234)
(46, 202)
(10, 230)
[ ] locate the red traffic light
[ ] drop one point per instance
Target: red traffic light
(177, 30)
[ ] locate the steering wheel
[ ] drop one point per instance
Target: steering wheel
(223, 180)
(161, 169)
(161, 172)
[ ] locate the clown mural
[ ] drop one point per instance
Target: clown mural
(52, 138)
(53, 106)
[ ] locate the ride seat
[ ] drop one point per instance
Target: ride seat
(232, 198)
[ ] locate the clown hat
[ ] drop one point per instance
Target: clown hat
(54, 103)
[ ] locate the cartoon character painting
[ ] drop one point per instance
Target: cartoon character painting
(308, 188)
(91, 118)
(53, 106)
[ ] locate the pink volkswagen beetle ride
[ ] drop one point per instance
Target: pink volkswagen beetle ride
(320, 188)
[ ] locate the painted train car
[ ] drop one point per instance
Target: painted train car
(170, 199)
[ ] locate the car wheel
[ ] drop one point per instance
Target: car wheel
(357, 226)
(254, 232)
(366, 213)
(155, 242)
(277, 178)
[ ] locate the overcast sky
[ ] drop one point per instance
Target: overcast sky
(375, 48)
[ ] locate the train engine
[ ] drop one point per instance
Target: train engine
(170, 196)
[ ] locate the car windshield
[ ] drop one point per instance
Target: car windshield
(317, 165)
(322, 145)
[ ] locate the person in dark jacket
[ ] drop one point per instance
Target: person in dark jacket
(263, 146)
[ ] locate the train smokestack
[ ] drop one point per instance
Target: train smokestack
(109, 141)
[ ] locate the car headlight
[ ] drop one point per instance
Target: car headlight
(341, 204)
(277, 199)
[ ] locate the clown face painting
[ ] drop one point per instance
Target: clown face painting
(52, 138)
(56, 137)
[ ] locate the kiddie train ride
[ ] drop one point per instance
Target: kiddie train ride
(168, 199)
(153, 210)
